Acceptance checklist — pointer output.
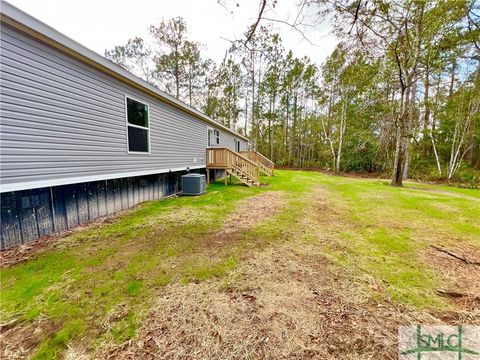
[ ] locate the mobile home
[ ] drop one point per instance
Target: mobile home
(82, 138)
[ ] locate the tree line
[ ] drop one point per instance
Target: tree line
(400, 93)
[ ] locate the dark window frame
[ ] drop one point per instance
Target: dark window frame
(127, 125)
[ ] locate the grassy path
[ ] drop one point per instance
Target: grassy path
(98, 285)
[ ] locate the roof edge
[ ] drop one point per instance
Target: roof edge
(37, 29)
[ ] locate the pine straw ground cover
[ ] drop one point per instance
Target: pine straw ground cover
(312, 266)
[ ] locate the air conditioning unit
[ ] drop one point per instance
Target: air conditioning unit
(193, 184)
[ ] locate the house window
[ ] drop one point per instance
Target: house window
(210, 137)
(213, 137)
(237, 145)
(138, 126)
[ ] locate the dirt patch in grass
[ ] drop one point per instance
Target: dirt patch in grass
(252, 211)
(19, 341)
(248, 214)
(462, 283)
(178, 216)
(446, 208)
(76, 352)
(285, 303)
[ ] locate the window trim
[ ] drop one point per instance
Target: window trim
(208, 136)
(235, 142)
(214, 141)
(127, 124)
(215, 138)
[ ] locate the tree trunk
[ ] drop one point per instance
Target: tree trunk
(343, 120)
(270, 126)
(329, 140)
(190, 77)
(177, 74)
(407, 70)
(460, 133)
(257, 127)
(328, 135)
(452, 79)
(407, 161)
(287, 124)
(293, 132)
(409, 129)
(397, 177)
(437, 159)
(270, 143)
(426, 118)
(246, 117)
(252, 59)
(400, 140)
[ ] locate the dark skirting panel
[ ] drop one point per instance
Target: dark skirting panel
(31, 214)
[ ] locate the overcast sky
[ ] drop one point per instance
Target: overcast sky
(102, 24)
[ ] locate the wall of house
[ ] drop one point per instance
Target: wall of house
(31, 214)
(227, 140)
(63, 122)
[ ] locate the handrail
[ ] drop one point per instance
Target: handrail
(265, 158)
(261, 160)
(258, 156)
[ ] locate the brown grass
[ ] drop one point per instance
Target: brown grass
(253, 210)
(285, 303)
(19, 342)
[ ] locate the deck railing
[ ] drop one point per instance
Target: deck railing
(224, 158)
(266, 164)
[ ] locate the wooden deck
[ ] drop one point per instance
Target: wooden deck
(245, 165)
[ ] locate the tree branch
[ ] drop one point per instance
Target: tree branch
(293, 26)
(465, 260)
(254, 26)
(355, 16)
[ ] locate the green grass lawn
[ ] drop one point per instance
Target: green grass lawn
(371, 230)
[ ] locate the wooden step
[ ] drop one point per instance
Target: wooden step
(244, 178)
